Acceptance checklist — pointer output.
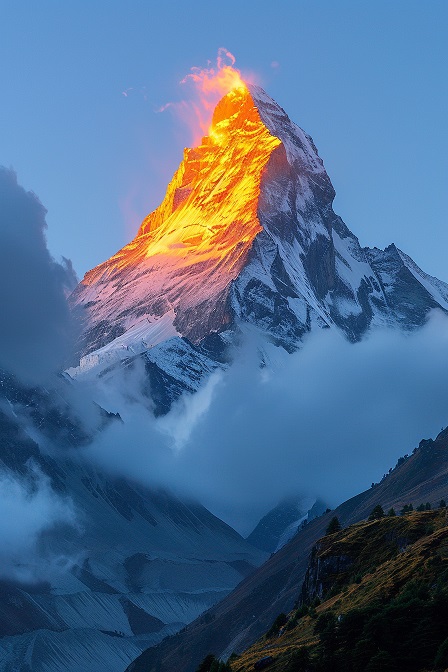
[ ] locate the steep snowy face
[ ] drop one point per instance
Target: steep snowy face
(188, 251)
(306, 268)
(291, 270)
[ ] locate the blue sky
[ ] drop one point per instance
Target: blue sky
(366, 79)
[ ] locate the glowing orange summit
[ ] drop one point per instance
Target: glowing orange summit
(196, 242)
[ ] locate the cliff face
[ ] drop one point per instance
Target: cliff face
(323, 573)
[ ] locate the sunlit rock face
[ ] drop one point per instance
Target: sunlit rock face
(188, 251)
(245, 238)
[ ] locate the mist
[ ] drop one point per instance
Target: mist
(30, 507)
(37, 329)
(325, 421)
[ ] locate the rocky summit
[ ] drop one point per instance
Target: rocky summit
(245, 239)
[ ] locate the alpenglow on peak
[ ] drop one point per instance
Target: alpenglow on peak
(245, 235)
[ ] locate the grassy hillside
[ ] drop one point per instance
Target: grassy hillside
(384, 602)
(242, 617)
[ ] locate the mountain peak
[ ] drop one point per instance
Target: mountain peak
(196, 242)
(245, 235)
(233, 103)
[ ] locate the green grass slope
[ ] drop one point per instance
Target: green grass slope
(383, 603)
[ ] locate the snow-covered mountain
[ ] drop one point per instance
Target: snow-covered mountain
(127, 566)
(282, 523)
(245, 237)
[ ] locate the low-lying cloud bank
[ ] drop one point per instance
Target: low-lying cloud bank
(324, 421)
(327, 420)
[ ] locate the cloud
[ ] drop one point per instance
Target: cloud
(30, 507)
(140, 90)
(325, 421)
(205, 88)
(36, 325)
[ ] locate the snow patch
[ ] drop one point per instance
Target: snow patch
(139, 338)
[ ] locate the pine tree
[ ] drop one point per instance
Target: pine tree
(377, 513)
(279, 622)
(207, 663)
(213, 664)
(333, 526)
